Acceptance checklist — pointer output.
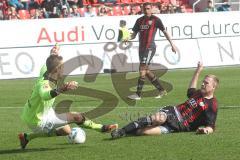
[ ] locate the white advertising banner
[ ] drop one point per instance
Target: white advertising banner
(24, 45)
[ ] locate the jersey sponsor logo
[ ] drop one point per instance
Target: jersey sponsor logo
(192, 102)
(144, 27)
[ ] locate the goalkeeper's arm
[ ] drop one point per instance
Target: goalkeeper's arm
(47, 93)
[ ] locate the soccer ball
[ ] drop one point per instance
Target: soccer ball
(77, 136)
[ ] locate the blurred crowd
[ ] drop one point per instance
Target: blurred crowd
(39, 9)
(224, 6)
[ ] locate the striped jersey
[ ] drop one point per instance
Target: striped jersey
(147, 28)
(198, 111)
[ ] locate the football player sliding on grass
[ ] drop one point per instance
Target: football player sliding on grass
(87, 123)
(198, 113)
(38, 112)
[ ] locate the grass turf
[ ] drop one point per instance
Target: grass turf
(223, 144)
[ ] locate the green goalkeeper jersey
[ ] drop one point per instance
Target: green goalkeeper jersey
(42, 71)
(39, 102)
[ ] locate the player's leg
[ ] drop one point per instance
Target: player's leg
(140, 83)
(25, 138)
(156, 83)
(155, 130)
(142, 75)
(47, 127)
(99, 127)
(64, 130)
(141, 79)
(52, 123)
(72, 117)
(79, 119)
(90, 124)
(154, 120)
(61, 131)
(151, 77)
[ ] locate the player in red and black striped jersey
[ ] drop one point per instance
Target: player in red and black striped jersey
(198, 113)
(198, 110)
(147, 26)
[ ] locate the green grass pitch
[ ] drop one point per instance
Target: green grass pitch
(224, 144)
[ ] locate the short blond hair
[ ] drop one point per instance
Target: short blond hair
(215, 79)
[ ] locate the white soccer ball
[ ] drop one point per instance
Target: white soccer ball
(77, 136)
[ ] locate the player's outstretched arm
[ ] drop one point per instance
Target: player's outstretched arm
(193, 83)
(47, 93)
(133, 36)
(204, 130)
(174, 49)
(68, 86)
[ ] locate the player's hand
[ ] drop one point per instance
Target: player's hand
(199, 67)
(55, 49)
(126, 41)
(174, 49)
(202, 131)
(72, 85)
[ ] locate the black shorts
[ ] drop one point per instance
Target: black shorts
(145, 56)
(172, 121)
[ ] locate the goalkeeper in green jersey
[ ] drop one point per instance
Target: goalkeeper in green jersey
(39, 113)
(87, 123)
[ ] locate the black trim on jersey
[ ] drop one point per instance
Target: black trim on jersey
(191, 92)
(120, 35)
(211, 113)
(54, 93)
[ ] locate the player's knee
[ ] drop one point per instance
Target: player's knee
(142, 77)
(150, 76)
(140, 132)
(79, 118)
(148, 131)
(159, 118)
(142, 74)
(147, 72)
(65, 130)
(143, 67)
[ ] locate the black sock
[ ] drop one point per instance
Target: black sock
(140, 86)
(131, 128)
(157, 84)
(142, 122)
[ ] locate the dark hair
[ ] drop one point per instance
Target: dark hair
(52, 62)
(146, 4)
(123, 22)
